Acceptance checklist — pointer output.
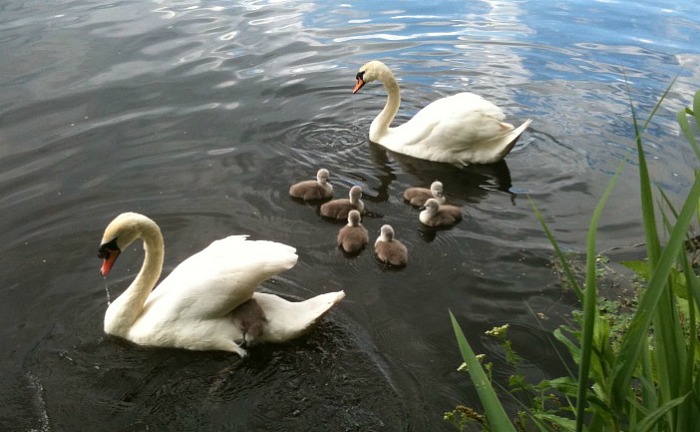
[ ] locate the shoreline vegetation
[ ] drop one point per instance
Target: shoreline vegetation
(636, 359)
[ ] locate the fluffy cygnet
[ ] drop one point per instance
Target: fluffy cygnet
(339, 208)
(435, 215)
(417, 196)
(310, 190)
(389, 250)
(353, 237)
(250, 320)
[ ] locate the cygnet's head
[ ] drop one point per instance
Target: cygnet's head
(431, 206)
(355, 193)
(387, 233)
(436, 189)
(322, 176)
(354, 218)
(369, 72)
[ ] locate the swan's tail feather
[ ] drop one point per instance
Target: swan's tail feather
(288, 320)
(511, 139)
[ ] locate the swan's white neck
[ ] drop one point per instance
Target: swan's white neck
(127, 308)
(380, 125)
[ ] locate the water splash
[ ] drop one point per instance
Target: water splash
(39, 403)
(109, 298)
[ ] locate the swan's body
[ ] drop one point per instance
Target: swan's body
(353, 237)
(389, 250)
(194, 307)
(417, 196)
(459, 129)
(340, 208)
(436, 215)
(310, 190)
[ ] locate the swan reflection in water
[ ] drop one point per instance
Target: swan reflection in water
(470, 183)
(463, 184)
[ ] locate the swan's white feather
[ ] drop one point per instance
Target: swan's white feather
(214, 281)
(459, 129)
(288, 320)
(191, 308)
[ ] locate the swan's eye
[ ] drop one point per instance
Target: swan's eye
(360, 75)
(105, 249)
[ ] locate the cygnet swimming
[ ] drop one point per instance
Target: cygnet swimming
(339, 208)
(417, 196)
(389, 250)
(436, 215)
(310, 190)
(353, 237)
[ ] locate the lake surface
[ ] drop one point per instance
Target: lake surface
(201, 114)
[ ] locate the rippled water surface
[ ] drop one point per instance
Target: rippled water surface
(201, 114)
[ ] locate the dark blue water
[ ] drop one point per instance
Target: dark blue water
(201, 114)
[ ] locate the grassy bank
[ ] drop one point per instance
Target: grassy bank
(635, 372)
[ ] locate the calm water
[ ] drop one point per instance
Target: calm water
(200, 115)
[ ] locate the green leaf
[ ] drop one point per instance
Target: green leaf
(649, 422)
(498, 419)
(563, 423)
(640, 267)
(590, 302)
(637, 335)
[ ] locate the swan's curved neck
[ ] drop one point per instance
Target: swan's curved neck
(380, 125)
(126, 309)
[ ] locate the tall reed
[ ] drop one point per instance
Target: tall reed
(646, 378)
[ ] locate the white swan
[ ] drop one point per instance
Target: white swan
(193, 308)
(459, 129)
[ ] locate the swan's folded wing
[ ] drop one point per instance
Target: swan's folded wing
(213, 282)
(465, 116)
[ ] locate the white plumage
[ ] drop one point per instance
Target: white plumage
(459, 129)
(191, 308)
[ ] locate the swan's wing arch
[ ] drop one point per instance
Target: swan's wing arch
(214, 281)
(465, 116)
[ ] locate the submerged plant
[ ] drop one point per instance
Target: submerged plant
(636, 374)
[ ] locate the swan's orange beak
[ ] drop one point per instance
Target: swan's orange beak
(358, 86)
(109, 252)
(108, 262)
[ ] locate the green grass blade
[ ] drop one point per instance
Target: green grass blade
(498, 419)
(589, 302)
(687, 414)
(683, 122)
(566, 268)
(637, 336)
(696, 108)
(650, 233)
(649, 422)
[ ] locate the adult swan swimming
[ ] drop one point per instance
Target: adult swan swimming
(460, 129)
(195, 306)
